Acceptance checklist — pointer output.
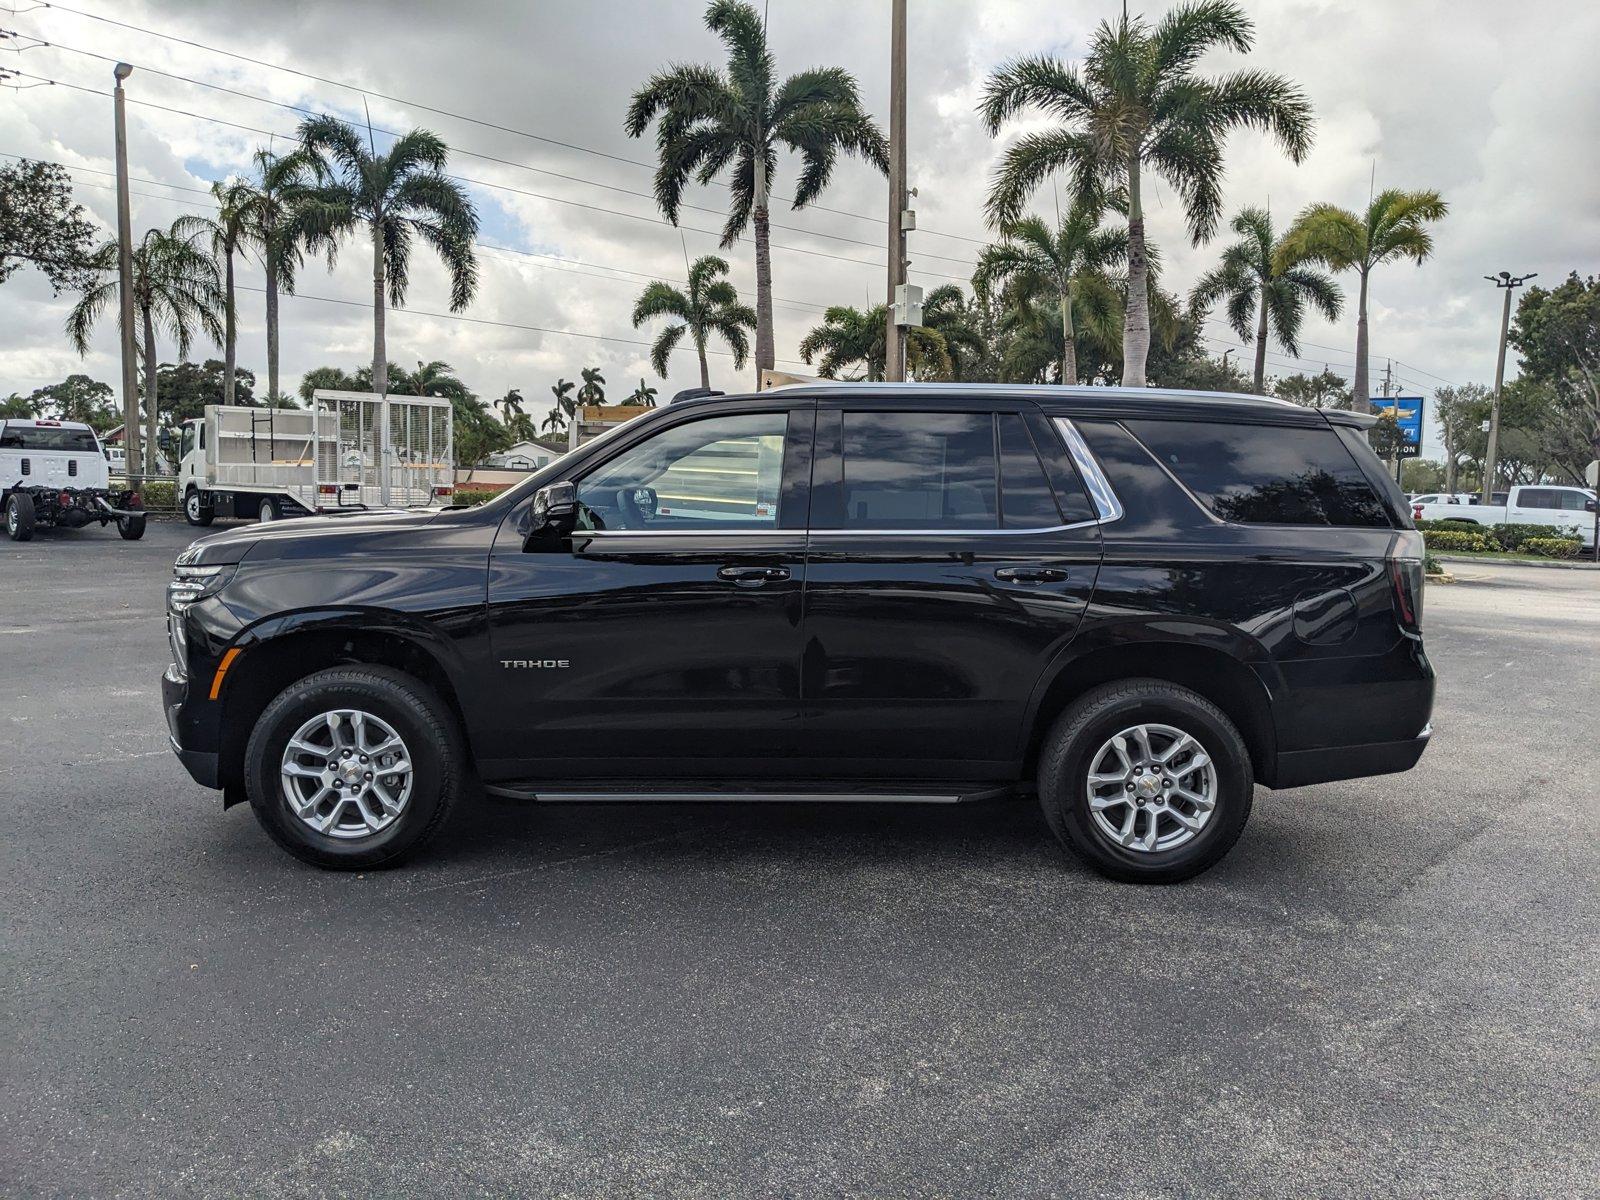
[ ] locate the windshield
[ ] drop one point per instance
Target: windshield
(48, 437)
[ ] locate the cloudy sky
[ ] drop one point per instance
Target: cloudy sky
(1497, 106)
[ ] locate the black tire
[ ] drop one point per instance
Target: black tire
(196, 510)
(268, 510)
(19, 516)
(1096, 717)
(413, 710)
(131, 528)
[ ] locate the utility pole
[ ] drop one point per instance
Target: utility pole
(1388, 384)
(1509, 282)
(130, 371)
(894, 360)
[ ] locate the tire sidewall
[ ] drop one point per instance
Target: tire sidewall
(404, 711)
(1216, 736)
(19, 516)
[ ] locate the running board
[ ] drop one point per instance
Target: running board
(644, 795)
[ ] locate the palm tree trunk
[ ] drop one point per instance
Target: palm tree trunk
(149, 390)
(380, 352)
(766, 354)
(272, 332)
(1359, 394)
(1261, 346)
(1069, 338)
(705, 372)
(230, 333)
(1136, 321)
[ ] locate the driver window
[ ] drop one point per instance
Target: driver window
(187, 443)
(719, 473)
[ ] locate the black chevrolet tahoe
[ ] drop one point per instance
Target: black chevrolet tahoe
(1134, 605)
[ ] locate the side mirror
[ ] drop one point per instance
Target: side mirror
(554, 511)
(1591, 505)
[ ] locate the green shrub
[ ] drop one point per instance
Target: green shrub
(472, 496)
(1551, 547)
(158, 494)
(1450, 523)
(1431, 565)
(1515, 537)
(1459, 541)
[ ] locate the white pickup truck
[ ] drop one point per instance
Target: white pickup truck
(54, 473)
(1561, 508)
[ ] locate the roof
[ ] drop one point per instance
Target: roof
(45, 422)
(1078, 400)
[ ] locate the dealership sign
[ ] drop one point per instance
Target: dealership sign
(1407, 414)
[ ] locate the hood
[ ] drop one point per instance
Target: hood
(329, 536)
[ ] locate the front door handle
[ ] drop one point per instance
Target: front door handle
(1030, 574)
(753, 576)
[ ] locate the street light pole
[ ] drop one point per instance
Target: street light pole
(130, 371)
(1509, 282)
(894, 359)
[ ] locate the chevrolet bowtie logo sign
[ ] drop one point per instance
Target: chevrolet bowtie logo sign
(535, 664)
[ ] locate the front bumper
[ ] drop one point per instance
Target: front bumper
(201, 764)
(1297, 768)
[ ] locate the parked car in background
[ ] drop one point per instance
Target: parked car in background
(1560, 508)
(54, 473)
(1443, 498)
(1134, 605)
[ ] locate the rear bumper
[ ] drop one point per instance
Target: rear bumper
(1297, 768)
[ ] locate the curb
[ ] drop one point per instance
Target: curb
(1441, 577)
(1552, 564)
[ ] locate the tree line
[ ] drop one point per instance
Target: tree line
(1072, 297)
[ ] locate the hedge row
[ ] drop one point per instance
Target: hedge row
(1458, 540)
(1505, 537)
(472, 495)
(158, 494)
(1550, 547)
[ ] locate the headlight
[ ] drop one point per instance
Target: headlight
(188, 585)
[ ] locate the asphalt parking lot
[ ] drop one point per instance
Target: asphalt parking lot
(1389, 987)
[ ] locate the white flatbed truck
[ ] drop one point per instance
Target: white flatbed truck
(349, 451)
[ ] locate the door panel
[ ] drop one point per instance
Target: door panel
(663, 636)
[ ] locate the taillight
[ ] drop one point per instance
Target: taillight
(65, 499)
(134, 501)
(1405, 581)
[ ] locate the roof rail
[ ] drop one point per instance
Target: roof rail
(695, 394)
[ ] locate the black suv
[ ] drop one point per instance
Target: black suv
(1135, 604)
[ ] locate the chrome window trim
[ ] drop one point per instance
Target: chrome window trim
(1101, 493)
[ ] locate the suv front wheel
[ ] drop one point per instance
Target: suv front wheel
(1149, 781)
(354, 767)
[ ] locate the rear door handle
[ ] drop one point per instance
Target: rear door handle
(1030, 574)
(753, 576)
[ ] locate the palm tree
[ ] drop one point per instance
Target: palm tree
(1073, 258)
(740, 117)
(434, 378)
(709, 306)
(1137, 103)
(566, 405)
(175, 290)
(269, 205)
(510, 406)
(1265, 290)
(946, 312)
(222, 237)
(554, 421)
(644, 395)
(1394, 226)
(397, 198)
(593, 390)
(848, 336)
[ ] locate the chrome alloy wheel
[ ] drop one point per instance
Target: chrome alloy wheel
(346, 774)
(1151, 787)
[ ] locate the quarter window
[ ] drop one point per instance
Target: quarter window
(1265, 474)
(1026, 501)
(919, 470)
(719, 473)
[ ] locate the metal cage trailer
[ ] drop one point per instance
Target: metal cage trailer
(350, 451)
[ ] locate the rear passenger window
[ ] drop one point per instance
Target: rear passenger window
(918, 470)
(1026, 501)
(1265, 475)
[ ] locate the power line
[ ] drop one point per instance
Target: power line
(554, 258)
(444, 112)
(419, 312)
(659, 222)
(505, 162)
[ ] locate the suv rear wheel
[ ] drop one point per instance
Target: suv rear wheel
(1147, 780)
(354, 767)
